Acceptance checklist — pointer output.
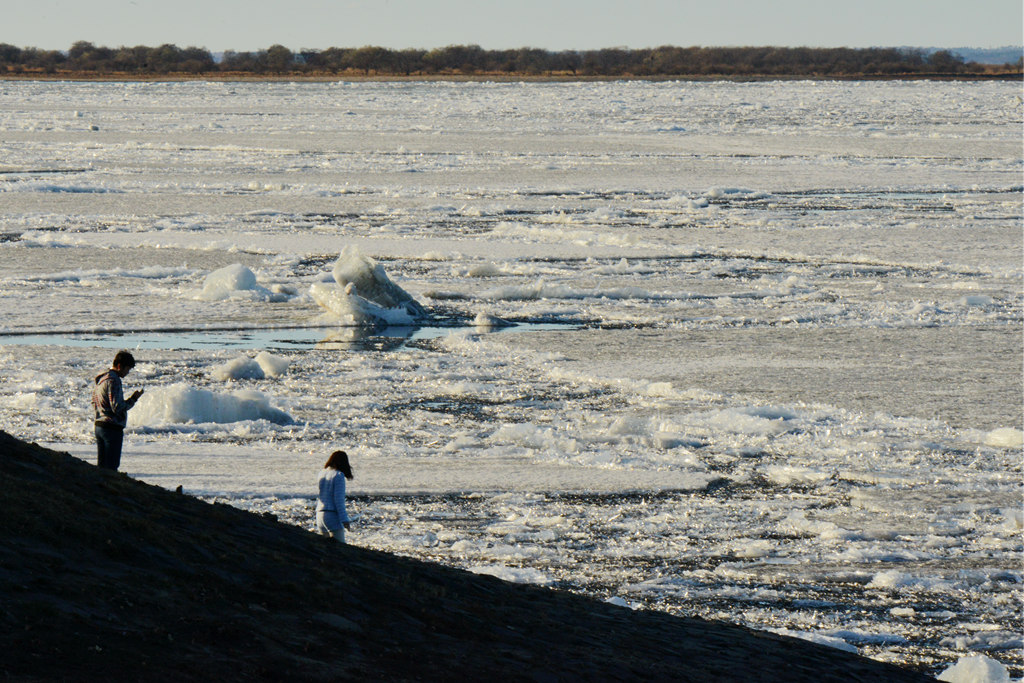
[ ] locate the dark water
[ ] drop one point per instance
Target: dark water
(261, 339)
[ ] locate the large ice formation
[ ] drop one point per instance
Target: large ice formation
(363, 295)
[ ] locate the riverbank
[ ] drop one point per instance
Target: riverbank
(493, 77)
(107, 575)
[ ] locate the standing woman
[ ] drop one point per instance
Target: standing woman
(331, 518)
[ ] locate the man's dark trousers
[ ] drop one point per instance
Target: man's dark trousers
(108, 446)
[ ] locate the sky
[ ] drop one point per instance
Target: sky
(246, 25)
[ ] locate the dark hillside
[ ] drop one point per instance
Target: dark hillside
(106, 578)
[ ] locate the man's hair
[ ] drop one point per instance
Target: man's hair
(124, 359)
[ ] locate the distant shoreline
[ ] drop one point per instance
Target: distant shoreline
(471, 63)
(493, 78)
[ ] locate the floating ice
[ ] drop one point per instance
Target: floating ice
(976, 669)
(353, 310)
(183, 404)
(151, 273)
(1005, 437)
(484, 322)
(754, 549)
(820, 639)
(534, 437)
(63, 189)
(264, 365)
(273, 366)
(1013, 519)
(242, 367)
(790, 475)
(720, 192)
(977, 300)
(28, 401)
(621, 602)
(543, 290)
(364, 295)
(892, 579)
(235, 282)
(752, 420)
(482, 270)
(513, 574)
(372, 282)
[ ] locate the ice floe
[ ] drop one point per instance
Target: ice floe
(181, 404)
(363, 295)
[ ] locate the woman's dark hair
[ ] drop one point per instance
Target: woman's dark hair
(125, 359)
(339, 461)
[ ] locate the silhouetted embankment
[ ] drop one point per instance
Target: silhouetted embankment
(108, 578)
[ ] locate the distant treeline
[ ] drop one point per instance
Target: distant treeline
(87, 59)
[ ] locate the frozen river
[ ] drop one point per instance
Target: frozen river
(764, 360)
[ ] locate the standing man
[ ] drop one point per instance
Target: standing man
(111, 410)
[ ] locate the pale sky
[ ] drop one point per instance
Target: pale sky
(246, 25)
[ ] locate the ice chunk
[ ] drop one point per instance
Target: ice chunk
(752, 549)
(372, 283)
(242, 367)
(819, 638)
(234, 282)
(537, 438)
(662, 389)
(513, 574)
(891, 579)
(353, 310)
(485, 322)
(620, 602)
(184, 404)
(483, 270)
(977, 300)
(1013, 519)
(364, 296)
(264, 365)
(1006, 437)
(272, 366)
(976, 669)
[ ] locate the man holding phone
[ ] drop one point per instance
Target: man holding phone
(111, 409)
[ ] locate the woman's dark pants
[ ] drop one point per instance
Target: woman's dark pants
(108, 447)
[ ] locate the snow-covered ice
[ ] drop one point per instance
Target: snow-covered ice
(748, 351)
(975, 669)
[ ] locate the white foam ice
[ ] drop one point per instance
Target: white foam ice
(514, 574)
(147, 273)
(1005, 437)
(236, 281)
(484, 321)
(181, 404)
(264, 365)
(818, 638)
(975, 669)
(271, 364)
(242, 367)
